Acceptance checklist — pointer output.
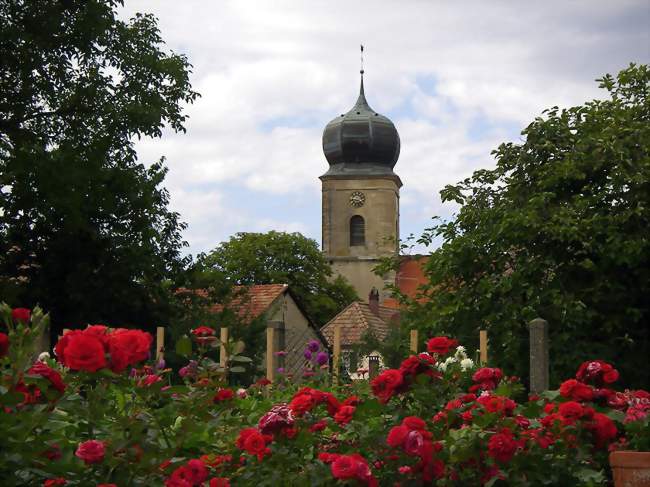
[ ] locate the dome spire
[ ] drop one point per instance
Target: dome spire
(361, 141)
(361, 92)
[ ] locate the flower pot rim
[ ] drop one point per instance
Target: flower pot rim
(629, 458)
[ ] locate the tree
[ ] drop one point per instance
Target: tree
(286, 258)
(85, 229)
(558, 230)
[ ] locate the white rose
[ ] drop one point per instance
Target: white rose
(467, 363)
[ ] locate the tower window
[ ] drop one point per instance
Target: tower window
(357, 231)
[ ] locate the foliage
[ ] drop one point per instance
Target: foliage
(420, 424)
(558, 230)
(78, 86)
(392, 348)
(282, 258)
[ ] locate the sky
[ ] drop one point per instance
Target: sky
(457, 79)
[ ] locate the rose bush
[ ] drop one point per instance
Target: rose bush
(99, 414)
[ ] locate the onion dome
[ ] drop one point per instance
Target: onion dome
(361, 142)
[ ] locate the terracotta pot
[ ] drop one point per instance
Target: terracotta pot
(630, 468)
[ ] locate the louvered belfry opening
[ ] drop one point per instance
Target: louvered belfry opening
(357, 231)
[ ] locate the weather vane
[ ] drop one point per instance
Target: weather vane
(361, 59)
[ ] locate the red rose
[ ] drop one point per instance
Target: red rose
(198, 471)
(39, 368)
(55, 482)
(91, 451)
(203, 331)
(223, 395)
(301, 404)
(278, 418)
(414, 443)
(80, 351)
(344, 414)
(219, 482)
(572, 389)
(351, 401)
(318, 426)
(487, 377)
(98, 330)
(345, 467)
(353, 466)
(328, 457)
(497, 404)
(502, 446)
(253, 442)
(21, 314)
(571, 411)
(4, 344)
(441, 345)
(597, 372)
(603, 429)
(397, 436)
(128, 347)
(386, 383)
(414, 423)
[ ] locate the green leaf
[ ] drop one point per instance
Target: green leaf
(184, 346)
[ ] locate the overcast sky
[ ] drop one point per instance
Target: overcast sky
(457, 79)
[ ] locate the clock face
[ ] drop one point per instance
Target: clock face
(357, 199)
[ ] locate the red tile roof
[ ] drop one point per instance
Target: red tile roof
(249, 302)
(356, 319)
(410, 276)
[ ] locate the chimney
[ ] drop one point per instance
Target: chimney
(373, 301)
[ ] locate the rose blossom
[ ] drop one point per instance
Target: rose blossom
(223, 395)
(278, 417)
(55, 482)
(128, 347)
(573, 389)
(48, 373)
(21, 314)
(4, 344)
(91, 451)
(81, 351)
(441, 345)
(386, 383)
(502, 446)
(344, 414)
(219, 482)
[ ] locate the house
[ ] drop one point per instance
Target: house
(278, 307)
(355, 321)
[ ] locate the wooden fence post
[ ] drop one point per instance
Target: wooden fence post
(223, 352)
(160, 343)
(414, 341)
(483, 343)
(270, 345)
(539, 362)
(337, 354)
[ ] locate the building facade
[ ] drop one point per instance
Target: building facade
(360, 206)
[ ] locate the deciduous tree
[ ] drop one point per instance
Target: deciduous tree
(85, 228)
(558, 230)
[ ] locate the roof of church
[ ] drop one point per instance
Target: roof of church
(409, 278)
(356, 320)
(361, 142)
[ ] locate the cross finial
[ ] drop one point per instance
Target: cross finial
(361, 71)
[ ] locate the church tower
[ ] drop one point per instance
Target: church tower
(361, 195)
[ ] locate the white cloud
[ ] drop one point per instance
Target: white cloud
(272, 74)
